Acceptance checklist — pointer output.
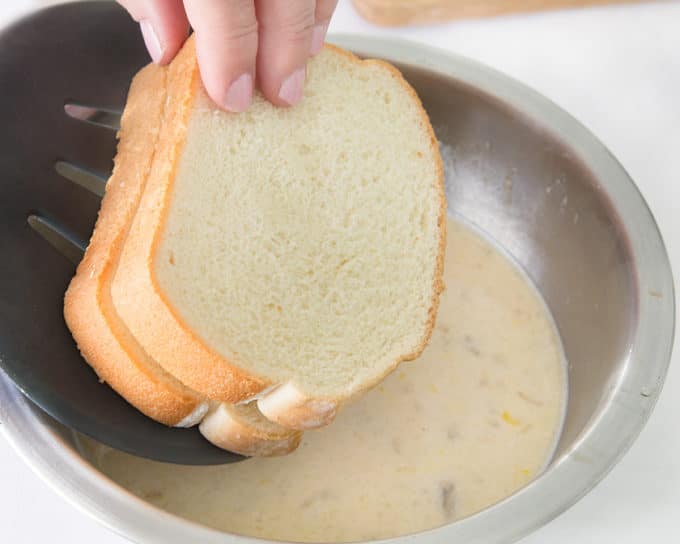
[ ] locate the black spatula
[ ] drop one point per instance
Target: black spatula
(64, 76)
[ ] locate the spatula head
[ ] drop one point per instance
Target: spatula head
(84, 54)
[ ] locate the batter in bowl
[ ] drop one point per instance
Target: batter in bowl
(474, 419)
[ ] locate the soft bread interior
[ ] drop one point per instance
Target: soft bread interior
(304, 244)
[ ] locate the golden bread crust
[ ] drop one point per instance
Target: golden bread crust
(102, 338)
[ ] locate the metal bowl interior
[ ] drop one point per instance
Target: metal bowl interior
(541, 185)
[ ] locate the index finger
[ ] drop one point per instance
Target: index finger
(285, 45)
(226, 46)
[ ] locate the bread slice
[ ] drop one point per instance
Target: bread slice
(291, 255)
(243, 429)
(103, 338)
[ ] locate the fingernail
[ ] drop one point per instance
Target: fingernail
(318, 36)
(153, 44)
(240, 94)
(291, 89)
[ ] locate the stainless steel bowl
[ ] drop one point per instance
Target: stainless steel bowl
(548, 191)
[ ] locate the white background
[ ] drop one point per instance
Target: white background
(616, 69)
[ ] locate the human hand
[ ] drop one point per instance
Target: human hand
(239, 42)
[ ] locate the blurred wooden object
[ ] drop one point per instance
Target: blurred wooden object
(412, 12)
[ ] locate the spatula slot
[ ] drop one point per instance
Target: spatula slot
(58, 237)
(101, 117)
(94, 182)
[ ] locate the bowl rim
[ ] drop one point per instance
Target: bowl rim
(608, 436)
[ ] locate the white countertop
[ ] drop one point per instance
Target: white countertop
(616, 69)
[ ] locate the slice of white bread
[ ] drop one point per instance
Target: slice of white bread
(104, 340)
(292, 252)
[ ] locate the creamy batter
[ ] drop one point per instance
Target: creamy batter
(470, 422)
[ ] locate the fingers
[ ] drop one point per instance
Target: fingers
(322, 18)
(163, 24)
(285, 45)
(230, 52)
(226, 46)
